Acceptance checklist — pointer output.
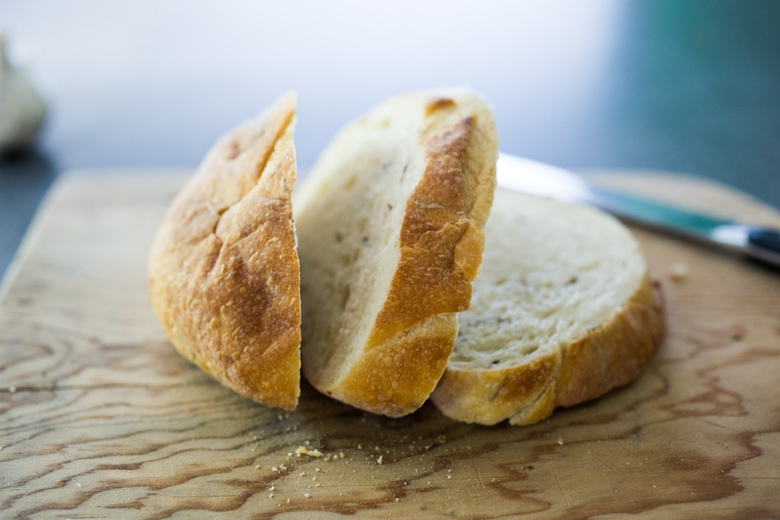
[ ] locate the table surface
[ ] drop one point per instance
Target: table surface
(679, 85)
(100, 417)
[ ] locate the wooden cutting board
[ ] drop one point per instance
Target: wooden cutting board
(100, 417)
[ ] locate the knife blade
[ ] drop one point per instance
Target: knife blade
(756, 242)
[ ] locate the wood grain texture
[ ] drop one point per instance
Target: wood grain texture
(100, 417)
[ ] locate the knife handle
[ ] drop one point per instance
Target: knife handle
(764, 244)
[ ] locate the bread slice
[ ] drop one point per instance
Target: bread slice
(563, 311)
(390, 226)
(223, 270)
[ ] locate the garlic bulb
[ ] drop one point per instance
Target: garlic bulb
(22, 109)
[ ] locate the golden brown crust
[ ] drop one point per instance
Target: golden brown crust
(437, 103)
(494, 394)
(610, 356)
(441, 247)
(434, 223)
(223, 269)
(412, 356)
(615, 354)
(440, 252)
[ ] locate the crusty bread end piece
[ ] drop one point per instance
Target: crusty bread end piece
(223, 270)
(390, 226)
(563, 311)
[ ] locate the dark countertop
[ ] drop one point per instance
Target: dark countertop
(678, 85)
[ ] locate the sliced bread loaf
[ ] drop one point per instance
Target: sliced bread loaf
(390, 226)
(563, 311)
(223, 268)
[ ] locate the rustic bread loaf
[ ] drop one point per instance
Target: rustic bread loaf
(390, 227)
(223, 269)
(562, 312)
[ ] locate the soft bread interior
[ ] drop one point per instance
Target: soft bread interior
(551, 273)
(557, 280)
(352, 240)
(351, 216)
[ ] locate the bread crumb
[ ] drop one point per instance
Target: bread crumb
(317, 484)
(272, 488)
(307, 495)
(379, 460)
(303, 474)
(679, 271)
(341, 454)
(303, 450)
(560, 441)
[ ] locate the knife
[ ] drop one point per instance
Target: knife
(759, 243)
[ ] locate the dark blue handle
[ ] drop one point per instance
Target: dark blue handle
(764, 245)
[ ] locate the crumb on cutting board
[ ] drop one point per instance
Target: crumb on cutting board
(303, 450)
(679, 271)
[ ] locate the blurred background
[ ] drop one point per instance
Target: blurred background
(683, 85)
